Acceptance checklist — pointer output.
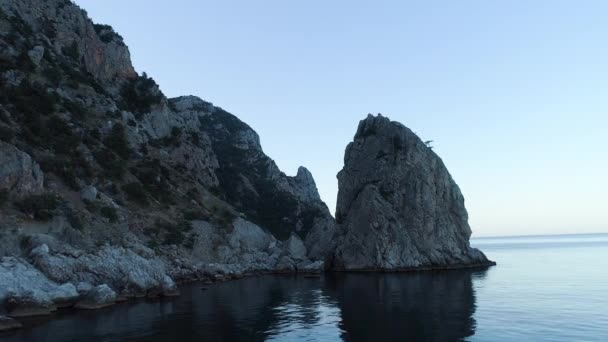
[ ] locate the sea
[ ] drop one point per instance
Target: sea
(544, 288)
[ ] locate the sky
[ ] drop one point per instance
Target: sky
(514, 94)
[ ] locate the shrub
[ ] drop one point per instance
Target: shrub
(58, 134)
(53, 74)
(68, 168)
(176, 234)
(113, 165)
(77, 110)
(154, 178)
(174, 138)
(136, 192)
(74, 219)
(109, 213)
(42, 207)
(117, 141)
(3, 197)
(139, 95)
(32, 99)
(192, 215)
(107, 34)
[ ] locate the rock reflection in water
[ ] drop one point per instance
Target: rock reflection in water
(427, 306)
(436, 306)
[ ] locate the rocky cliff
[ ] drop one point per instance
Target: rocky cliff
(398, 207)
(108, 189)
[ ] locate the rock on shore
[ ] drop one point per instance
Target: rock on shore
(398, 207)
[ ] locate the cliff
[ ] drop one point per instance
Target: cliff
(108, 189)
(398, 207)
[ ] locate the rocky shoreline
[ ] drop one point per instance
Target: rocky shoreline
(109, 190)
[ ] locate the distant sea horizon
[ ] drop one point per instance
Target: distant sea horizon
(476, 237)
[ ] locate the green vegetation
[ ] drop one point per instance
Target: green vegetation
(69, 168)
(31, 99)
(169, 233)
(113, 165)
(74, 219)
(3, 197)
(155, 177)
(107, 34)
(58, 134)
(139, 95)
(117, 141)
(77, 110)
(136, 192)
(193, 215)
(109, 213)
(41, 207)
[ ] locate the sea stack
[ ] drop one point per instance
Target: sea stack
(398, 207)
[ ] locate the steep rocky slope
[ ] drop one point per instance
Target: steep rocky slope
(398, 207)
(108, 189)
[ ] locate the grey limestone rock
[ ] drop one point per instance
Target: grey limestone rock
(398, 207)
(36, 54)
(98, 297)
(89, 193)
(28, 292)
(19, 174)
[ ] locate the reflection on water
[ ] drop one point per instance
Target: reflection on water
(352, 307)
(406, 307)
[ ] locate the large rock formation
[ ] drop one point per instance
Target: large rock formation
(109, 187)
(398, 207)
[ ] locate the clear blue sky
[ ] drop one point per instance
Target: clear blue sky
(514, 93)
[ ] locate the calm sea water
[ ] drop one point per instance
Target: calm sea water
(545, 288)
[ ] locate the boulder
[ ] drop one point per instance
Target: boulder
(398, 207)
(99, 297)
(28, 292)
(36, 54)
(88, 193)
(119, 267)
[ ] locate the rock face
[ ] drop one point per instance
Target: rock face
(398, 207)
(97, 298)
(28, 292)
(103, 51)
(19, 174)
(253, 183)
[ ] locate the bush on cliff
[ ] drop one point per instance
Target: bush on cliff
(135, 192)
(139, 95)
(41, 207)
(109, 213)
(117, 141)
